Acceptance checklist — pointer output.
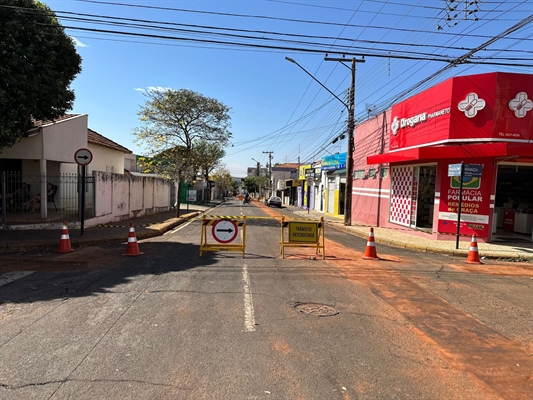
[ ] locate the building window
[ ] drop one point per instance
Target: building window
(372, 173)
(383, 172)
(359, 174)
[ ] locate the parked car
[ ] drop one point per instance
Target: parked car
(274, 201)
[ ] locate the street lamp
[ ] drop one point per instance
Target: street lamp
(351, 127)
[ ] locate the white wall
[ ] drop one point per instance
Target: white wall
(55, 142)
(63, 139)
(119, 197)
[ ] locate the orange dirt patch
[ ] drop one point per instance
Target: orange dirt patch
(500, 269)
(497, 361)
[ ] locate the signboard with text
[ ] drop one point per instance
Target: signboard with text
(475, 207)
(333, 162)
(484, 107)
(303, 232)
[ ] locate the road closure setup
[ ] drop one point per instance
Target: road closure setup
(224, 230)
(303, 233)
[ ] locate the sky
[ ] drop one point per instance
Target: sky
(235, 51)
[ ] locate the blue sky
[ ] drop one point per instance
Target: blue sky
(275, 105)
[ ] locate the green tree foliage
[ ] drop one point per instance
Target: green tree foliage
(255, 184)
(38, 62)
(172, 123)
(223, 179)
(235, 186)
(209, 157)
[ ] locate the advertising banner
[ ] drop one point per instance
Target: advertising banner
(487, 107)
(191, 196)
(475, 207)
(333, 162)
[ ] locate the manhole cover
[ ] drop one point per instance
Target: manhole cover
(315, 309)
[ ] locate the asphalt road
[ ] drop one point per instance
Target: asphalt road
(170, 324)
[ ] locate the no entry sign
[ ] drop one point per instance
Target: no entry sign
(224, 230)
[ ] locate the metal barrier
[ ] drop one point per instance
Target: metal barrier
(224, 230)
(303, 233)
(21, 203)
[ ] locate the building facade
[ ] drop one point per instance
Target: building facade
(404, 160)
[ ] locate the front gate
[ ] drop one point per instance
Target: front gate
(21, 203)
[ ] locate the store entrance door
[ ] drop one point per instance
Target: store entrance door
(426, 196)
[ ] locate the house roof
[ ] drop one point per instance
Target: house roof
(95, 138)
(39, 123)
(285, 167)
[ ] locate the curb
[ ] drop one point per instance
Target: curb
(431, 249)
(77, 243)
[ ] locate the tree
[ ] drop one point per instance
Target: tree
(223, 179)
(38, 62)
(235, 185)
(253, 184)
(209, 156)
(172, 122)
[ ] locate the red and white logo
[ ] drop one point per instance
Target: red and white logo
(471, 105)
(395, 126)
(521, 105)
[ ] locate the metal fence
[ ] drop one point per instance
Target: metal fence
(21, 201)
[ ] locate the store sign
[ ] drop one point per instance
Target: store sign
(302, 170)
(333, 162)
(475, 200)
(471, 105)
(457, 110)
(520, 105)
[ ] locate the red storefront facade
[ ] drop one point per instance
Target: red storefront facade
(402, 157)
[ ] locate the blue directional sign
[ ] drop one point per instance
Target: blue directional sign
(473, 170)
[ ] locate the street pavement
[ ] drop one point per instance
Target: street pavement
(157, 224)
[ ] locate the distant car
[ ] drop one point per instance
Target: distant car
(274, 201)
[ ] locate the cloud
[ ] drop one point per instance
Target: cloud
(158, 88)
(152, 89)
(77, 43)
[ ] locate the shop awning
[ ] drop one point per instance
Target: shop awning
(460, 151)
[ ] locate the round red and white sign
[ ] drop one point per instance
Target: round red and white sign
(225, 231)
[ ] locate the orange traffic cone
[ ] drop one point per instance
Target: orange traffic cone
(64, 241)
(473, 255)
(133, 247)
(370, 252)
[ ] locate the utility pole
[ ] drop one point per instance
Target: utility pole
(349, 153)
(269, 170)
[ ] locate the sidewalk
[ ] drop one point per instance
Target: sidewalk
(399, 237)
(157, 224)
(117, 232)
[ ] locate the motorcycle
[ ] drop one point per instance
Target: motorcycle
(246, 200)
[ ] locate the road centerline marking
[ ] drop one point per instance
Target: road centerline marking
(249, 319)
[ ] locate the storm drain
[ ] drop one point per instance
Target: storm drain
(315, 309)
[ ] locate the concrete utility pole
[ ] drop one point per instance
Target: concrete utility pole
(349, 153)
(269, 171)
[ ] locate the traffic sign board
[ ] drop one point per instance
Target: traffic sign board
(303, 232)
(454, 169)
(473, 170)
(225, 230)
(83, 156)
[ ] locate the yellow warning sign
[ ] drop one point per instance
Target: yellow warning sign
(303, 232)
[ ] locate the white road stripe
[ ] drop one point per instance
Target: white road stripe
(179, 227)
(9, 277)
(249, 320)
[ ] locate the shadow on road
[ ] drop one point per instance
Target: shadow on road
(93, 270)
